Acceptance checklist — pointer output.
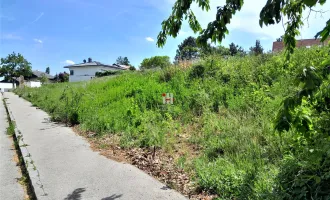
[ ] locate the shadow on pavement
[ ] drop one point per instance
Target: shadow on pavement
(112, 197)
(165, 188)
(76, 194)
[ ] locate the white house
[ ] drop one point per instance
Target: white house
(5, 87)
(30, 81)
(86, 70)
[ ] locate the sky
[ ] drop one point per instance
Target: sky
(63, 32)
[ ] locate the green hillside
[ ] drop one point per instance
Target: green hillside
(225, 106)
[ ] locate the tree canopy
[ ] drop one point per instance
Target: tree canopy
(235, 49)
(156, 61)
(187, 50)
(123, 61)
(273, 12)
(211, 50)
(47, 70)
(14, 65)
(280, 39)
(62, 77)
(257, 49)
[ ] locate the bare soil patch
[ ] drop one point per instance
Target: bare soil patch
(155, 162)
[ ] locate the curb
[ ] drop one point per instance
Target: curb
(33, 173)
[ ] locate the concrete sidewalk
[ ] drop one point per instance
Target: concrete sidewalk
(68, 169)
(9, 172)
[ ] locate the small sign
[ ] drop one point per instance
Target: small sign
(168, 98)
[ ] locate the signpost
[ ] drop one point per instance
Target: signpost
(168, 98)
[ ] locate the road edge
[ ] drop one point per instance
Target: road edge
(31, 172)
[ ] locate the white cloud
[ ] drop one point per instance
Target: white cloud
(69, 62)
(149, 39)
(10, 37)
(38, 41)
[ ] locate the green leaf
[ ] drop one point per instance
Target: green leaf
(322, 1)
(326, 62)
(310, 3)
(317, 179)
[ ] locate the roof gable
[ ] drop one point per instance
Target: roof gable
(94, 63)
(39, 74)
(97, 64)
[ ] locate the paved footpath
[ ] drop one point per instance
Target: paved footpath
(68, 169)
(9, 172)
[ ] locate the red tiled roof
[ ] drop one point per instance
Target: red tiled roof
(278, 46)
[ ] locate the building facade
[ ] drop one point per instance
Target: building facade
(279, 46)
(86, 71)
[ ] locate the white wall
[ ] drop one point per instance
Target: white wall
(86, 73)
(33, 84)
(4, 87)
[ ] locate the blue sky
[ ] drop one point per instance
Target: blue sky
(57, 33)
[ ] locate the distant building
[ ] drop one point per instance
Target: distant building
(86, 70)
(6, 86)
(36, 75)
(278, 46)
(30, 81)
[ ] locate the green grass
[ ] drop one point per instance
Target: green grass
(225, 106)
(11, 129)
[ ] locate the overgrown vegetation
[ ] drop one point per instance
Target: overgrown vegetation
(107, 73)
(226, 107)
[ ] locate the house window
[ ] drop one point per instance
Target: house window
(71, 72)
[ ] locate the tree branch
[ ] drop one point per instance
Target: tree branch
(316, 12)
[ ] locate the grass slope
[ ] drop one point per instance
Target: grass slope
(224, 106)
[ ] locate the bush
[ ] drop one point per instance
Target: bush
(107, 73)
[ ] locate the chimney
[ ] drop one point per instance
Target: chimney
(84, 60)
(90, 60)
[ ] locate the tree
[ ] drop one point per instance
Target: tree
(132, 68)
(214, 50)
(47, 70)
(13, 66)
(235, 49)
(187, 50)
(123, 61)
(62, 77)
(156, 61)
(272, 13)
(257, 49)
(43, 79)
(56, 78)
(280, 39)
